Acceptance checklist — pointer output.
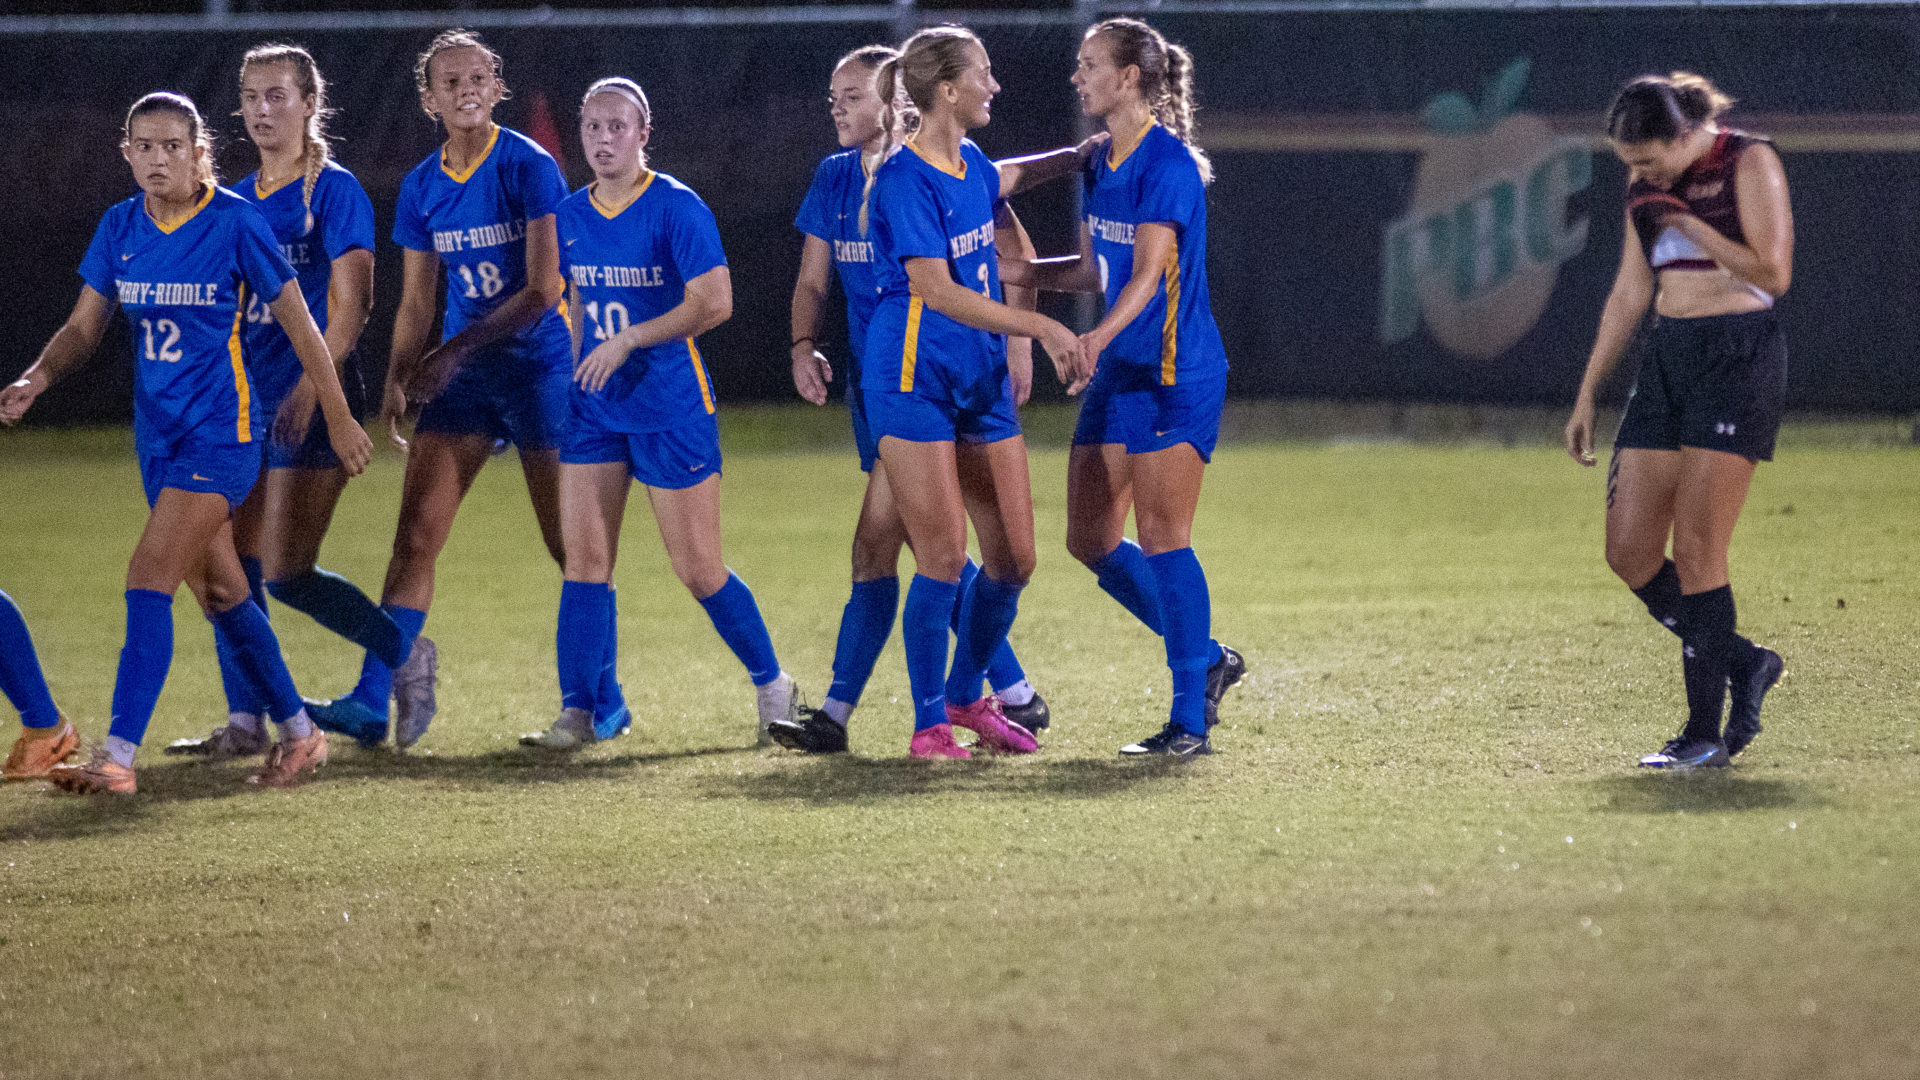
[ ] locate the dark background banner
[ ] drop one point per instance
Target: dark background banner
(1367, 240)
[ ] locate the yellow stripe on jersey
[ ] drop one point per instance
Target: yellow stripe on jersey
(911, 354)
(700, 373)
(1114, 163)
(611, 211)
(245, 430)
(1170, 329)
(461, 177)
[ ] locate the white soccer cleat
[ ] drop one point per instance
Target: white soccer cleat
(572, 731)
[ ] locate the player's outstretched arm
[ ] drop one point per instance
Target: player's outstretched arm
(1061, 274)
(708, 303)
(1626, 306)
(70, 346)
(811, 372)
(930, 280)
(1025, 173)
(316, 366)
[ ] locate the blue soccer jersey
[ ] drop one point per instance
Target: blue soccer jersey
(920, 210)
(341, 220)
(476, 221)
(182, 288)
(831, 211)
(1158, 182)
(630, 262)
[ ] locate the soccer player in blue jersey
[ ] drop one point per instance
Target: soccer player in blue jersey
(47, 738)
(1152, 413)
(936, 385)
(180, 259)
(481, 206)
(324, 223)
(645, 276)
(829, 218)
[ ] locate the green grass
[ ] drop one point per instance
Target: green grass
(1421, 849)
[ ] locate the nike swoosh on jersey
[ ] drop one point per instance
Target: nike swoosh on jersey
(203, 479)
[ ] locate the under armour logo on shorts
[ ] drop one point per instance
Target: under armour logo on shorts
(1723, 429)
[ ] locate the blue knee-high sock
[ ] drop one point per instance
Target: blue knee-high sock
(144, 661)
(581, 641)
(1188, 613)
(242, 695)
(1003, 669)
(738, 620)
(258, 651)
(990, 607)
(608, 698)
(376, 675)
(865, 625)
(923, 630)
(20, 676)
(335, 603)
(1126, 576)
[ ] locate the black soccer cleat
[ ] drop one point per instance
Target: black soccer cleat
(1684, 753)
(1033, 715)
(1170, 741)
(1222, 675)
(1748, 689)
(814, 733)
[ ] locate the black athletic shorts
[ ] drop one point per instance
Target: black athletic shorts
(1718, 383)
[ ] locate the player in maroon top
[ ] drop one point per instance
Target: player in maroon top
(1709, 244)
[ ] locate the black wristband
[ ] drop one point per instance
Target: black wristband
(796, 341)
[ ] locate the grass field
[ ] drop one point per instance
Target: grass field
(1420, 850)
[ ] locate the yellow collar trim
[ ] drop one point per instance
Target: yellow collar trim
(1137, 140)
(166, 229)
(461, 177)
(262, 192)
(960, 175)
(611, 212)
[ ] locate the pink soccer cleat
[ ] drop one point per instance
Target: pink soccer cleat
(936, 742)
(997, 733)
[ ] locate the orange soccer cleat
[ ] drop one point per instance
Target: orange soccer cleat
(38, 750)
(291, 761)
(101, 775)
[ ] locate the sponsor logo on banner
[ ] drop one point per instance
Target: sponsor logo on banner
(1477, 254)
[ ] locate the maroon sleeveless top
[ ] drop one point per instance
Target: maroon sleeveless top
(1708, 188)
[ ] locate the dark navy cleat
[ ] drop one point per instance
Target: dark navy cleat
(1170, 741)
(1033, 715)
(1222, 675)
(1748, 689)
(1684, 753)
(351, 717)
(814, 732)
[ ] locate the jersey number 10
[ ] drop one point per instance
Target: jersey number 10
(607, 320)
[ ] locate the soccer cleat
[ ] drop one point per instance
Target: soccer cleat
(101, 775)
(997, 733)
(613, 725)
(223, 743)
(292, 760)
(414, 703)
(814, 733)
(1033, 715)
(1684, 753)
(778, 700)
(348, 716)
(1222, 675)
(38, 750)
(1747, 690)
(1171, 741)
(936, 742)
(573, 730)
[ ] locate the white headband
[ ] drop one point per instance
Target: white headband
(626, 88)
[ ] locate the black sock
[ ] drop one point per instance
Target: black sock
(1708, 646)
(1662, 597)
